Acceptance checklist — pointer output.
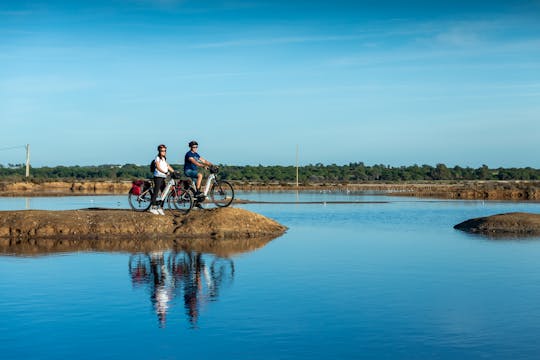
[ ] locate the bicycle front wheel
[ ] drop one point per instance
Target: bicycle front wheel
(181, 200)
(140, 202)
(222, 193)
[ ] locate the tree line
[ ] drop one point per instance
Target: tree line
(318, 173)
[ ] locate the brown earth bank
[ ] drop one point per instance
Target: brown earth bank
(125, 229)
(514, 224)
(469, 190)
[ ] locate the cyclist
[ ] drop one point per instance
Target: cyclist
(161, 169)
(192, 161)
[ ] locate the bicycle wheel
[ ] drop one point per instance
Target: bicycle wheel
(140, 202)
(222, 193)
(180, 200)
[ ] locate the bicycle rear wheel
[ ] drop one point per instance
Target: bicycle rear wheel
(222, 193)
(180, 200)
(140, 202)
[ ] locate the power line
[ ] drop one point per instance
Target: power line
(13, 147)
(27, 147)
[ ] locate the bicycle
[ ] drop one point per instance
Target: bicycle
(221, 192)
(174, 195)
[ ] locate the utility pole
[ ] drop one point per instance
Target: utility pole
(27, 160)
(297, 166)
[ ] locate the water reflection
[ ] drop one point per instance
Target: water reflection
(195, 277)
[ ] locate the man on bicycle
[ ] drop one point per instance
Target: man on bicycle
(192, 161)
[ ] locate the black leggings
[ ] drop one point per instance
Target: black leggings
(159, 185)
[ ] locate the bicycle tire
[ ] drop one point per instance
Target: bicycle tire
(222, 193)
(140, 202)
(180, 200)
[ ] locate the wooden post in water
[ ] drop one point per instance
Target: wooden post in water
(27, 160)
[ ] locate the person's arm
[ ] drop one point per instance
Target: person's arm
(205, 162)
(197, 163)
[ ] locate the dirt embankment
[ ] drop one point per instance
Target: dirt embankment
(503, 225)
(125, 229)
(468, 190)
(475, 190)
(64, 188)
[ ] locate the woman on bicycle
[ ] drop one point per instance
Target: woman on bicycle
(192, 160)
(161, 169)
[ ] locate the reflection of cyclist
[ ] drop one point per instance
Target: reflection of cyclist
(193, 289)
(160, 173)
(192, 160)
(162, 290)
(168, 275)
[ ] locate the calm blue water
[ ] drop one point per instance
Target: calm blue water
(391, 280)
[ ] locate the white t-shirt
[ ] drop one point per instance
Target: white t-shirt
(163, 164)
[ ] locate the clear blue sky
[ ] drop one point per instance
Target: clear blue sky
(391, 82)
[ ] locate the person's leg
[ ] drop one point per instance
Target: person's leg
(199, 181)
(160, 202)
(158, 185)
(194, 176)
(161, 188)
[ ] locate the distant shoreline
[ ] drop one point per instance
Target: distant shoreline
(518, 190)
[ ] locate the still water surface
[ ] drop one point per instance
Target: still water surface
(367, 280)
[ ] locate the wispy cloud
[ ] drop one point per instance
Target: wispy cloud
(44, 84)
(277, 40)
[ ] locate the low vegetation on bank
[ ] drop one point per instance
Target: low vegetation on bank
(309, 174)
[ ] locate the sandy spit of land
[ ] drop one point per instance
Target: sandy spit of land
(216, 223)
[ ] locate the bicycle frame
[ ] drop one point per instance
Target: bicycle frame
(220, 192)
(209, 181)
(165, 191)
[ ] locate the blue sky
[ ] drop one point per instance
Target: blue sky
(391, 82)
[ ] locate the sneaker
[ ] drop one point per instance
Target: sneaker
(199, 195)
(160, 211)
(154, 210)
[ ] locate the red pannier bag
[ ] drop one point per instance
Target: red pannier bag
(136, 187)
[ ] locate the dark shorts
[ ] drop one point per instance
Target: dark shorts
(190, 173)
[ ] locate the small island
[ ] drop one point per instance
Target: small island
(515, 224)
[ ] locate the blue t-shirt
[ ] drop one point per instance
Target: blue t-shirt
(188, 165)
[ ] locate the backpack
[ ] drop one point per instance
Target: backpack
(153, 165)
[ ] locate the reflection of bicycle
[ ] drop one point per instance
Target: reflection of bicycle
(196, 277)
(220, 192)
(139, 269)
(174, 195)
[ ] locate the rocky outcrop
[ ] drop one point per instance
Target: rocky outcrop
(515, 224)
(223, 223)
